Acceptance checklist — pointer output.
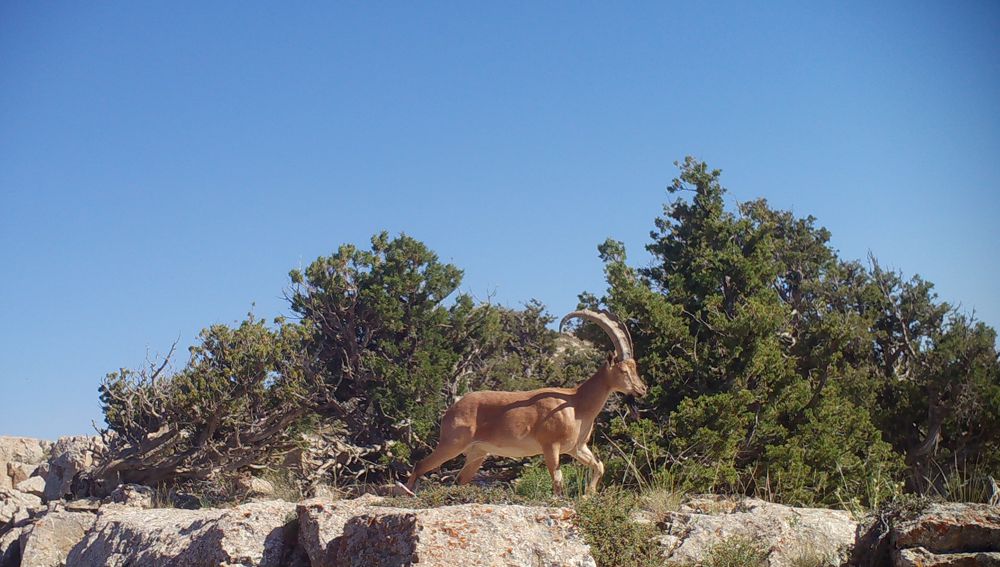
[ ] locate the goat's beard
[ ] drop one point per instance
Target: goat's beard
(633, 407)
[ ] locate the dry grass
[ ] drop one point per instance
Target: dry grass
(811, 558)
(285, 486)
(736, 551)
(659, 502)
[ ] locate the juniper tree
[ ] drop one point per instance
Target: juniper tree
(778, 368)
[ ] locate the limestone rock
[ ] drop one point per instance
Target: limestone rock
(254, 486)
(18, 454)
(786, 533)
(353, 532)
(23, 450)
(69, 456)
(321, 521)
(42, 469)
(10, 547)
(920, 557)
(951, 527)
(14, 505)
(250, 534)
(80, 505)
(34, 485)
(18, 472)
(48, 541)
(133, 495)
(261, 487)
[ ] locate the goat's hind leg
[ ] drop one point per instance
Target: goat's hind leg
(445, 451)
(473, 460)
(551, 454)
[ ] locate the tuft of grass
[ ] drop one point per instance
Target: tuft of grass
(960, 482)
(162, 497)
(660, 501)
(736, 551)
(286, 487)
(879, 488)
(810, 558)
(615, 539)
(165, 496)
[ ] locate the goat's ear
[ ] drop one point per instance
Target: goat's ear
(612, 358)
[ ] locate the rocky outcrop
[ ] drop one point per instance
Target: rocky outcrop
(133, 495)
(125, 529)
(14, 505)
(10, 547)
(250, 486)
(321, 521)
(250, 534)
(918, 533)
(69, 456)
(946, 534)
(783, 532)
(20, 457)
(23, 449)
(359, 532)
(48, 540)
(951, 527)
(19, 472)
(34, 486)
(920, 557)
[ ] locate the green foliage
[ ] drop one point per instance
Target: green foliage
(398, 346)
(779, 370)
(615, 539)
(243, 397)
(384, 344)
(775, 368)
(535, 482)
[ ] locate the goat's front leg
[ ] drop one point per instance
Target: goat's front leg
(551, 454)
(589, 460)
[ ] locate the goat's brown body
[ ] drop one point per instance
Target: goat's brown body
(547, 421)
(518, 424)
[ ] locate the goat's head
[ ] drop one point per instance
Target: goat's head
(621, 365)
(625, 377)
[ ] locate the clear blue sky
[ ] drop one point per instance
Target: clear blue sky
(163, 166)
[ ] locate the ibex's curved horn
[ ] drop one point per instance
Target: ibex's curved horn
(614, 328)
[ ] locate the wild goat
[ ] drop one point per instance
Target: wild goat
(547, 421)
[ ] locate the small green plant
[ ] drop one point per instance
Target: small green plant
(535, 482)
(737, 551)
(615, 539)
